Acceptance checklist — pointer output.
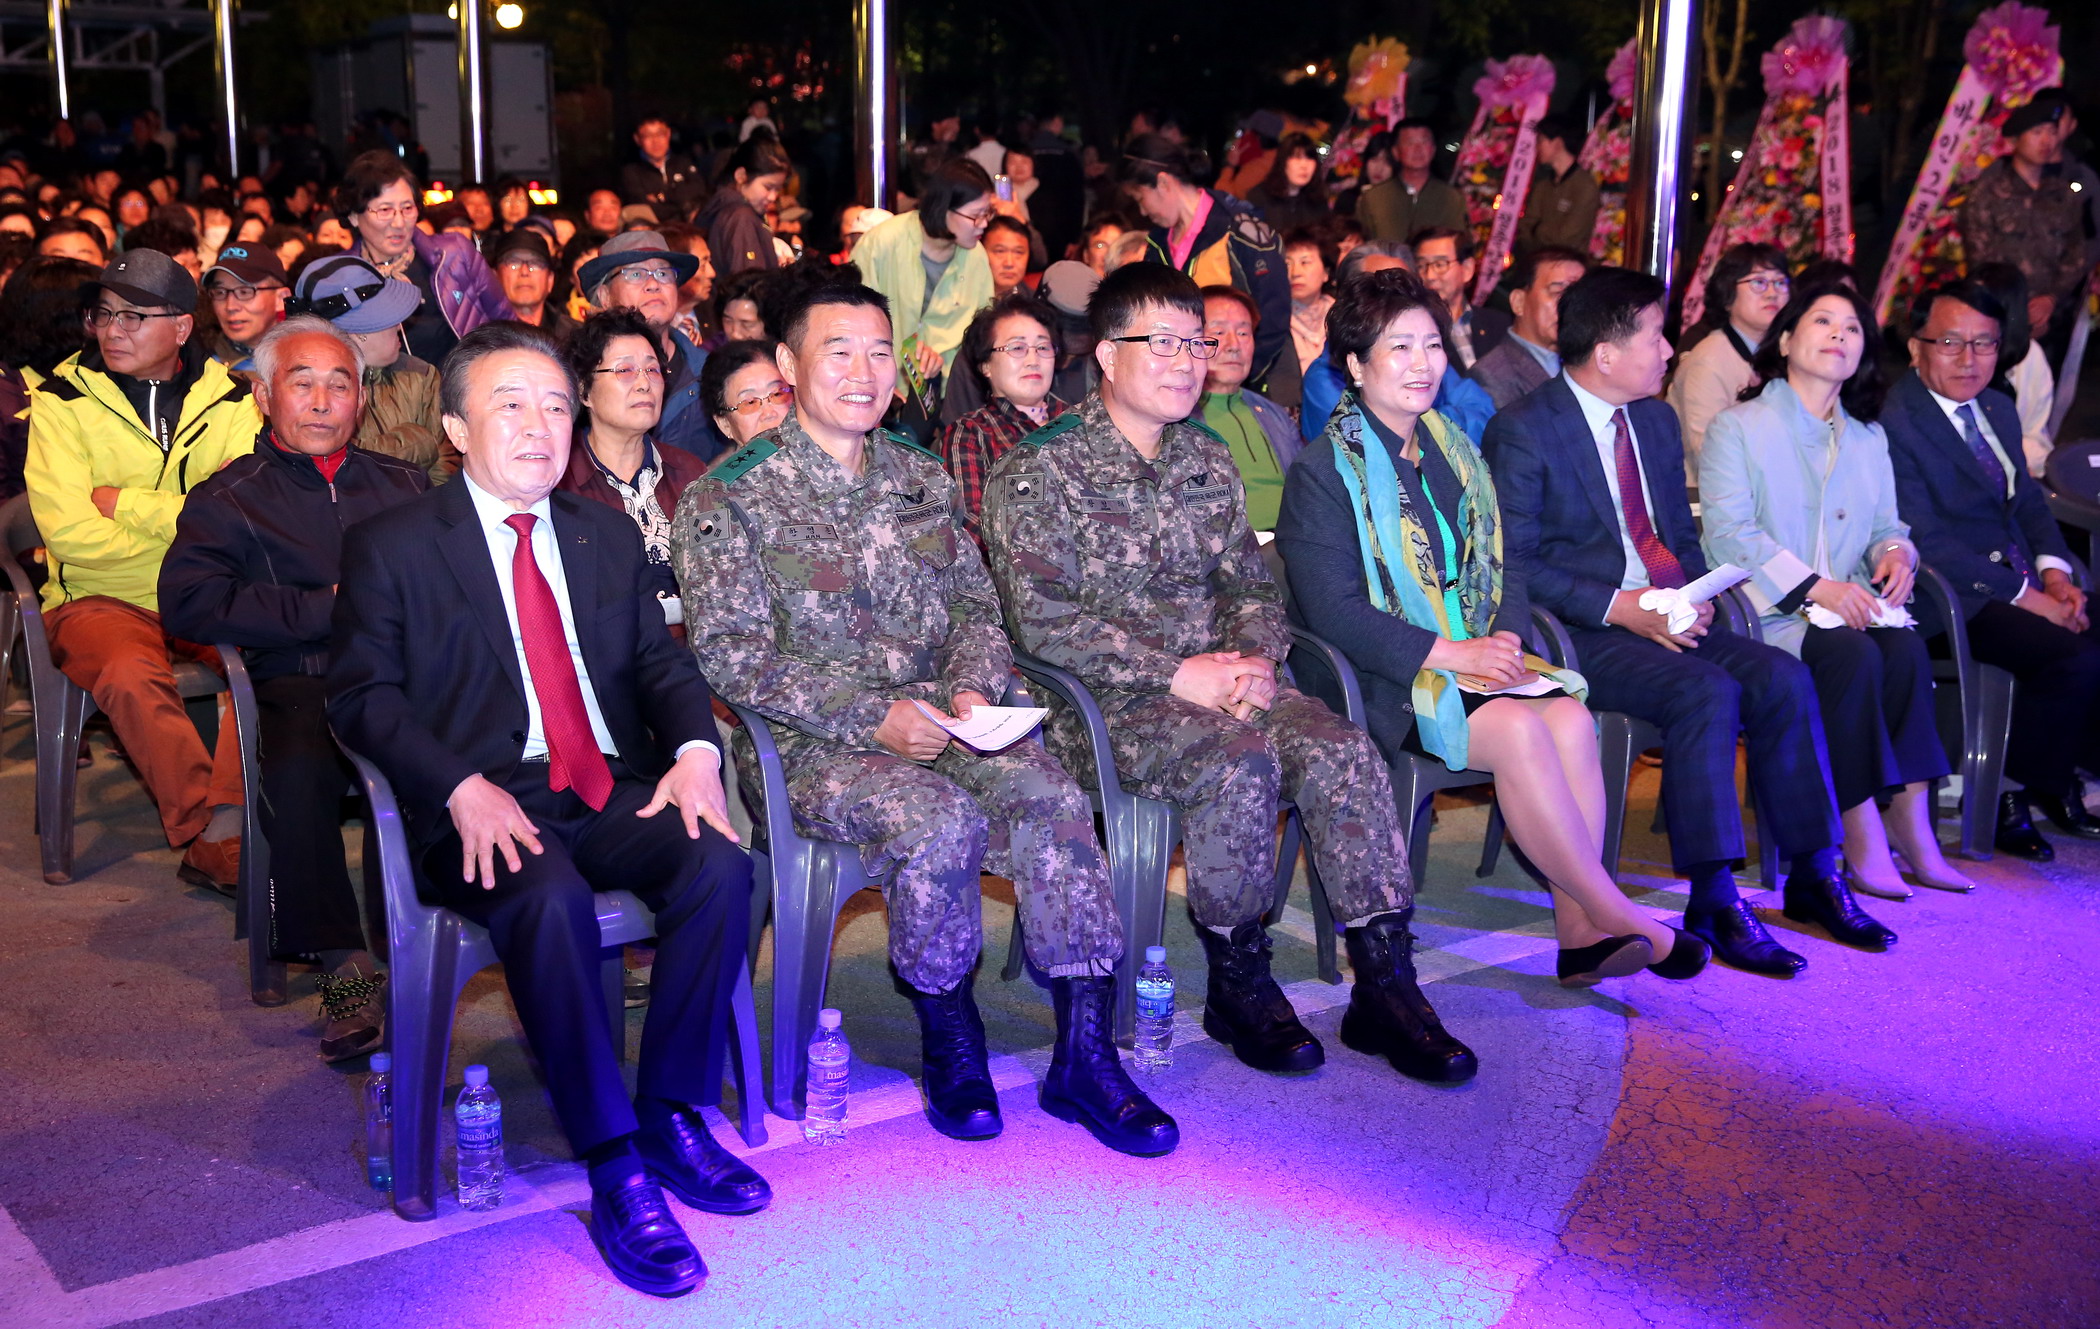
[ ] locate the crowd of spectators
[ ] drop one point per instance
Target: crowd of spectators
(1095, 384)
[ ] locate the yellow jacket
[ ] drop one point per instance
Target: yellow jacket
(85, 434)
(888, 258)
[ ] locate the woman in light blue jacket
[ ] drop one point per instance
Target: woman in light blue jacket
(1797, 488)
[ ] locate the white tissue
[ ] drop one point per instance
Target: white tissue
(1886, 615)
(1672, 604)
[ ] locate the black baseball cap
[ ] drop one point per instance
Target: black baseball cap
(250, 265)
(524, 240)
(148, 278)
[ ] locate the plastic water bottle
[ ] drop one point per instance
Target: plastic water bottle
(1155, 1012)
(379, 1123)
(829, 1060)
(479, 1114)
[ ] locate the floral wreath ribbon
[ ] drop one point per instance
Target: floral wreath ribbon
(1808, 62)
(1523, 82)
(2011, 53)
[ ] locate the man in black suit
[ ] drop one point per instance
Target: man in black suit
(499, 655)
(1445, 261)
(1530, 355)
(1590, 472)
(1985, 525)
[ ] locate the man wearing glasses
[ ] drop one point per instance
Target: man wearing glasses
(378, 197)
(246, 286)
(118, 435)
(1984, 523)
(1119, 540)
(1444, 259)
(829, 584)
(639, 270)
(525, 267)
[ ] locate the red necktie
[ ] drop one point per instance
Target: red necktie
(1664, 571)
(573, 757)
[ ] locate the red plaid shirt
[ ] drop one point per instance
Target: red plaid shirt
(976, 442)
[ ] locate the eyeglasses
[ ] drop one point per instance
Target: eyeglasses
(782, 394)
(333, 307)
(127, 320)
(1766, 285)
(974, 218)
(1023, 350)
(239, 295)
(625, 375)
(386, 214)
(1951, 347)
(1425, 266)
(524, 265)
(639, 276)
(1167, 345)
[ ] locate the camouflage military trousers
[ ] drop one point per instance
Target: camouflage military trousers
(1226, 776)
(1015, 814)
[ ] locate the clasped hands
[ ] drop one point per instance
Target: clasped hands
(1626, 612)
(2058, 599)
(489, 820)
(1228, 681)
(1489, 663)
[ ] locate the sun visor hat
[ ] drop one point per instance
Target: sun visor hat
(354, 295)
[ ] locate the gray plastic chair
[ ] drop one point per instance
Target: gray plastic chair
(1975, 719)
(61, 712)
(807, 883)
(435, 951)
(253, 910)
(1138, 836)
(17, 531)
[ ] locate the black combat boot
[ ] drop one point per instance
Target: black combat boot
(1246, 1011)
(960, 1101)
(1087, 1082)
(1388, 1015)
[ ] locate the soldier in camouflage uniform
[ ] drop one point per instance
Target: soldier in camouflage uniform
(2021, 213)
(1118, 537)
(828, 584)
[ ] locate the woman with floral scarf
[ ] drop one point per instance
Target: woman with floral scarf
(1391, 536)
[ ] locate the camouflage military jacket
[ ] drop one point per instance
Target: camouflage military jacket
(819, 597)
(1117, 568)
(2039, 231)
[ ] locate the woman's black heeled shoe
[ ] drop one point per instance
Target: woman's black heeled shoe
(1614, 957)
(1687, 957)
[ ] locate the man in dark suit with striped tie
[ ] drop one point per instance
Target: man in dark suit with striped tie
(1984, 525)
(500, 656)
(1590, 472)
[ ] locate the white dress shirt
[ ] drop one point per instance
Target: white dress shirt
(1951, 408)
(1547, 360)
(1597, 413)
(494, 514)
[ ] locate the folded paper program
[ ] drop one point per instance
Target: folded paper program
(1680, 604)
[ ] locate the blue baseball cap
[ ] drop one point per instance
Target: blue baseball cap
(353, 295)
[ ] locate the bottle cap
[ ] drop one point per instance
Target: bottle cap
(477, 1076)
(1155, 955)
(829, 1018)
(382, 1062)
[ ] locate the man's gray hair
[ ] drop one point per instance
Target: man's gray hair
(1353, 262)
(299, 325)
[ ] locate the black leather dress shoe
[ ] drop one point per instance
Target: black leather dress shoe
(1825, 898)
(641, 1241)
(1246, 1011)
(682, 1154)
(1388, 1016)
(2016, 833)
(1614, 957)
(1740, 941)
(1086, 1082)
(1688, 957)
(2067, 814)
(960, 1100)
